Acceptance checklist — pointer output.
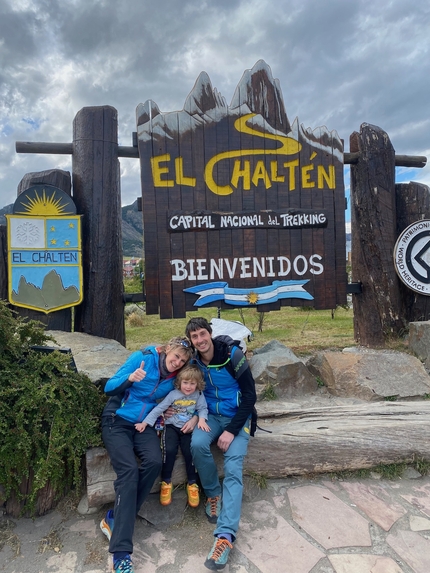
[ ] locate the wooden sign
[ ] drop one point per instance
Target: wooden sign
(44, 250)
(240, 207)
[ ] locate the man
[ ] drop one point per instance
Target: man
(230, 394)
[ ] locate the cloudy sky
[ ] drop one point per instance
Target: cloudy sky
(339, 62)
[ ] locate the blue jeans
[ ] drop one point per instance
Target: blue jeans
(232, 487)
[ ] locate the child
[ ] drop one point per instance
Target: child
(186, 401)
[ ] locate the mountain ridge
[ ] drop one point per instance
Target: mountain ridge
(132, 229)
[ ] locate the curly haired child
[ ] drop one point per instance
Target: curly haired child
(186, 400)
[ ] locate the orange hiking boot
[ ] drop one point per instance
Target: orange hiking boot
(166, 493)
(193, 495)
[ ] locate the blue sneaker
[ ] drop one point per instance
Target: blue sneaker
(218, 555)
(213, 508)
(123, 565)
(106, 524)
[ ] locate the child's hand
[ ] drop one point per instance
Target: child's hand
(202, 425)
(189, 426)
(141, 426)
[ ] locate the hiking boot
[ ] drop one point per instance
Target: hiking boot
(218, 555)
(106, 524)
(193, 495)
(166, 493)
(213, 508)
(123, 565)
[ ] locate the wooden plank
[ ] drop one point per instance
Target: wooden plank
(147, 150)
(3, 263)
(341, 278)
(176, 195)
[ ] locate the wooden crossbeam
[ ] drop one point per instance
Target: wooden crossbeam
(417, 161)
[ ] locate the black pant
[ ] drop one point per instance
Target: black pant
(134, 481)
(174, 437)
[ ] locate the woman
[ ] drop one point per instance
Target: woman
(145, 378)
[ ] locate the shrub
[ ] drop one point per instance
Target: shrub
(136, 320)
(49, 414)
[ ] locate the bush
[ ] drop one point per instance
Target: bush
(136, 320)
(49, 414)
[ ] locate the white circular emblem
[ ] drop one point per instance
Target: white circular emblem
(412, 257)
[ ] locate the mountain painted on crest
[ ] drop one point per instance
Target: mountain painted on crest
(257, 92)
(51, 295)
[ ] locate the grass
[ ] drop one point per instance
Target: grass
(386, 471)
(260, 480)
(268, 393)
(302, 330)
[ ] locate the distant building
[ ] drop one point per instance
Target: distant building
(131, 268)
(128, 271)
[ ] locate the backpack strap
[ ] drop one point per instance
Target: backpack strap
(238, 365)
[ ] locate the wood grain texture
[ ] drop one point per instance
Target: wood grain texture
(373, 219)
(96, 188)
(306, 442)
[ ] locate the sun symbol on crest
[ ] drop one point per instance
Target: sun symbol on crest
(44, 205)
(252, 297)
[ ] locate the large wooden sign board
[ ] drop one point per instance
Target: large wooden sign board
(240, 207)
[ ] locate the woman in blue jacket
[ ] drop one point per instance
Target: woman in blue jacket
(146, 377)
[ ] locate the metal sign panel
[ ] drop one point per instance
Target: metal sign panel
(240, 207)
(44, 250)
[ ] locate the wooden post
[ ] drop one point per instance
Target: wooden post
(377, 310)
(96, 193)
(3, 263)
(413, 204)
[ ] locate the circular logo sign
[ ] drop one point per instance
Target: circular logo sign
(412, 257)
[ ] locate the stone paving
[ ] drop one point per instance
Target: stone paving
(293, 526)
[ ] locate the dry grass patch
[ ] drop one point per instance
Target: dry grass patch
(304, 330)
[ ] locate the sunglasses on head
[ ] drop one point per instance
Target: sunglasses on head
(185, 343)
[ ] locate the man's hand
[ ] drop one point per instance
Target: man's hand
(139, 374)
(225, 440)
(169, 412)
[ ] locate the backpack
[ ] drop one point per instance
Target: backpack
(235, 368)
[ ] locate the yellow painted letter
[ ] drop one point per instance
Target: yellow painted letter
(291, 165)
(245, 173)
(274, 173)
(180, 177)
(329, 177)
(157, 171)
(261, 173)
(306, 177)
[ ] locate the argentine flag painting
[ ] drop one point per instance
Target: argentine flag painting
(211, 292)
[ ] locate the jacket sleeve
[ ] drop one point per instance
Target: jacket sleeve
(249, 397)
(202, 407)
(151, 418)
(119, 381)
